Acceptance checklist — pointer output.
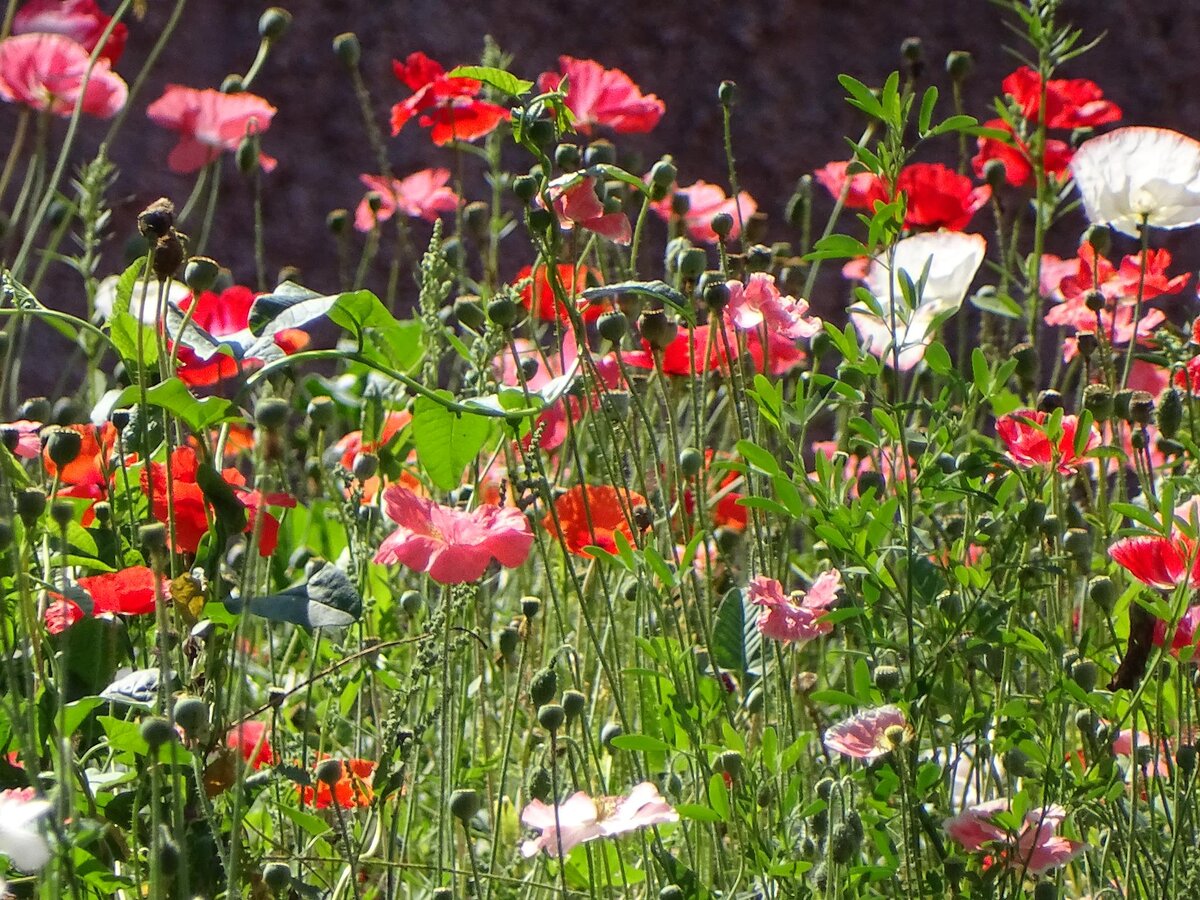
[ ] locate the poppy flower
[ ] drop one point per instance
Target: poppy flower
(580, 818)
(129, 592)
(253, 740)
(591, 515)
(705, 350)
(1029, 445)
(47, 72)
(537, 296)
(421, 195)
(352, 790)
(868, 735)
(449, 107)
(190, 508)
(723, 506)
(227, 316)
(27, 443)
(21, 837)
(1138, 174)
(352, 444)
(89, 473)
(705, 201)
(604, 97)
(575, 202)
(938, 197)
(758, 302)
(80, 20)
(863, 189)
(1034, 850)
(952, 259)
(451, 545)
(1184, 634)
(1160, 562)
(798, 618)
(1016, 157)
(1070, 102)
(209, 123)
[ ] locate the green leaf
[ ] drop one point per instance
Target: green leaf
(861, 96)
(497, 78)
(996, 303)
(641, 743)
(446, 442)
(658, 290)
(616, 173)
(327, 600)
(953, 123)
(728, 648)
(173, 396)
(759, 458)
(837, 246)
(126, 284)
(123, 329)
(698, 813)
(938, 359)
(926, 114)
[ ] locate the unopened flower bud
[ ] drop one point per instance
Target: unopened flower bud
(796, 210)
(157, 219)
(722, 225)
(464, 803)
(347, 49)
(273, 23)
(1045, 890)
(337, 221)
(191, 714)
(156, 731)
(1095, 301)
(759, 258)
(320, 412)
(681, 203)
(1185, 758)
(476, 216)
(599, 152)
(995, 173)
(1049, 400)
(502, 310)
(671, 892)
(271, 413)
(1087, 343)
(329, 772)
(871, 480)
(573, 704)
(1170, 412)
(843, 844)
(365, 466)
(691, 461)
(540, 220)
(729, 763)
(691, 263)
(663, 174)
(959, 64)
(543, 686)
(200, 273)
(277, 876)
(1121, 403)
(469, 313)
(63, 445)
(551, 716)
(1027, 362)
(31, 503)
(153, 537)
(1100, 237)
(1102, 592)
(508, 641)
(1084, 674)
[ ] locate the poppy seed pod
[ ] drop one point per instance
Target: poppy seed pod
(1141, 408)
(680, 204)
(657, 329)
(61, 512)
(156, 731)
(691, 263)
(153, 537)
(412, 602)
(1027, 362)
(277, 876)
(543, 686)
(573, 704)
(540, 220)
(273, 23)
(502, 311)
(525, 187)
(671, 892)
(347, 49)
(610, 732)
(63, 445)
(365, 466)
(320, 412)
(551, 717)
(1170, 412)
(1084, 673)
(167, 256)
(1185, 758)
(464, 804)
(469, 313)
(959, 64)
(329, 771)
(157, 219)
(246, 156)
(191, 714)
(271, 413)
(1100, 237)
(887, 678)
(599, 153)
(722, 225)
(727, 93)
(729, 762)
(613, 326)
(691, 461)
(995, 174)
(31, 503)
(567, 157)
(716, 296)
(530, 607)
(1095, 301)
(476, 217)
(759, 258)
(337, 221)
(233, 84)
(1087, 343)
(1049, 400)
(663, 174)
(200, 273)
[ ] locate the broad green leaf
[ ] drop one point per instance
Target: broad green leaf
(759, 458)
(327, 600)
(123, 329)
(173, 396)
(996, 303)
(728, 650)
(497, 78)
(446, 442)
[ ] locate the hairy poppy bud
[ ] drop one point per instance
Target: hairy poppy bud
(540, 220)
(156, 731)
(796, 210)
(551, 716)
(1102, 592)
(727, 93)
(671, 892)
(663, 174)
(716, 296)
(1049, 400)
(959, 64)
(31, 503)
(912, 51)
(469, 313)
(191, 714)
(599, 152)
(870, 480)
(464, 803)
(1100, 237)
(153, 537)
(843, 843)
(994, 173)
(412, 602)
(271, 413)
(722, 225)
(329, 771)
(1170, 412)
(567, 157)
(157, 219)
(656, 329)
(337, 221)
(273, 23)
(1141, 408)
(1185, 758)
(541, 132)
(613, 326)
(320, 412)
(681, 203)
(573, 704)
(1027, 362)
(543, 686)
(347, 49)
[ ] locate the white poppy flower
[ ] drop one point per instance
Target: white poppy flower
(21, 838)
(953, 259)
(106, 298)
(1137, 173)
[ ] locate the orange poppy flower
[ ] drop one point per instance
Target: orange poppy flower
(351, 790)
(593, 514)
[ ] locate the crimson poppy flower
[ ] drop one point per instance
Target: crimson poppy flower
(591, 515)
(1024, 436)
(80, 20)
(1034, 850)
(353, 789)
(129, 592)
(938, 197)
(1016, 157)
(1160, 562)
(191, 512)
(449, 107)
(209, 123)
(1070, 102)
(606, 97)
(576, 203)
(46, 72)
(452, 545)
(705, 201)
(254, 742)
(705, 351)
(227, 316)
(422, 195)
(538, 297)
(865, 188)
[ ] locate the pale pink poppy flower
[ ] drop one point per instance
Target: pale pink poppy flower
(705, 201)
(1123, 745)
(600, 96)
(582, 819)
(452, 545)
(29, 442)
(422, 195)
(47, 72)
(759, 302)
(798, 618)
(80, 20)
(209, 122)
(865, 735)
(1035, 850)
(576, 203)
(21, 838)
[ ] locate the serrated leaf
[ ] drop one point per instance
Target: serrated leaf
(446, 442)
(497, 78)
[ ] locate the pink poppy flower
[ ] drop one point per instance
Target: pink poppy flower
(449, 107)
(80, 20)
(759, 302)
(865, 188)
(46, 72)
(600, 96)
(1025, 438)
(28, 443)
(452, 545)
(799, 618)
(209, 122)
(576, 203)
(705, 201)
(1034, 850)
(422, 195)
(867, 735)
(581, 819)
(1160, 562)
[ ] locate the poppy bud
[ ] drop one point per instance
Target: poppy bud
(1170, 412)
(464, 803)
(599, 152)
(1100, 237)
(663, 174)
(31, 503)
(1185, 758)
(680, 204)
(1086, 342)
(1049, 400)
(157, 219)
(1027, 362)
(65, 411)
(502, 310)
(656, 329)
(1084, 673)
(271, 413)
(191, 714)
(871, 480)
(1078, 543)
(843, 844)
(530, 607)
(525, 187)
(887, 678)
(671, 892)
(819, 344)
(153, 537)
(337, 221)
(347, 49)
(759, 258)
(273, 23)
(63, 445)
(551, 717)
(1141, 408)
(365, 465)
(994, 173)
(475, 218)
(320, 412)
(277, 877)
(722, 225)
(1102, 592)
(540, 220)
(610, 732)
(61, 512)
(442, 893)
(469, 313)
(1121, 403)
(541, 132)
(573, 704)
(167, 257)
(691, 461)
(543, 686)
(824, 789)
(157, 731)
(727, 93)
(200, 273)
(540, 784)
(959, 64)
(1095, 301)
(729, 763)
(232, 84)
(567, 157)
(613, 326)
(691, 263)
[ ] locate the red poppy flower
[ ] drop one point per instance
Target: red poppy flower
(129, 592)
(80, 20)
(705, 201)
(88, 474)
(209, 122)
(576, 203)
(1014, 154)
(938, 197)
(450, 107)
(227, 316)
(1029, 445)
(726, 511)
(600, 96)
(705, 351)
(191, 509)
(1157, 561)
(865, 190)
(46, 72)
(591, 515)
(1070, 102)
(422, 195)
(352, 790)
(253, 740)
(537, 295)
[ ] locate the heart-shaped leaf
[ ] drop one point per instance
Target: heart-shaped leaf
(446, 441)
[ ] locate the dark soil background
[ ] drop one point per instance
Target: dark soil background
(784, 56)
